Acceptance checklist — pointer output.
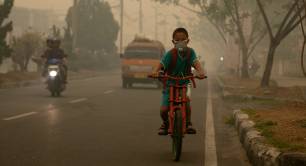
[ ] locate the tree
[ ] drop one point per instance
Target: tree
(229, 17)
(295, 14)
(238, 14)
(56, 32)
(29, 45)
(304, 43)
(96, 29)
(217, 20)
(67, 44)
(5, 27)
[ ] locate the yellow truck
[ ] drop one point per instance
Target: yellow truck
(140, 58)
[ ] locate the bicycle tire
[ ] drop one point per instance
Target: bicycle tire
(177, 138)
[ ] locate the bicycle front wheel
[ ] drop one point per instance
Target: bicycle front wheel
(177, 137)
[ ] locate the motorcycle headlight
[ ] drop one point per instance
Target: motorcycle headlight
(53, 73)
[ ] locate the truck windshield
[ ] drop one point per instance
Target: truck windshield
(142, 54)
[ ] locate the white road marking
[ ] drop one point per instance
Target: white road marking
(108, 92)
(93, 78)
(78, 100)
(210, 141)
(20, 116)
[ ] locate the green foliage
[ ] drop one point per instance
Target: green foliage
(67, 40)
(25, 47)
(230, 120)
(5, 27)
(302, 123)
(56, 32)
(96, 26)
(266, 129)
(93, 34)
(250, 112)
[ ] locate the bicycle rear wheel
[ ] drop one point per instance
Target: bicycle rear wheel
(177, 137)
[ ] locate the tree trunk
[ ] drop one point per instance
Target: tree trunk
(269, 65)
(302, 58)
(239, 62)
(244, 51)
(26, 65)
(22, 68)
(244, 68)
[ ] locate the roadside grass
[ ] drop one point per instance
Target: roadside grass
(302, 123)
(250, 112)
(266, 127)
(270, 102)
(265, 103)
(229, 120)
(281, 122)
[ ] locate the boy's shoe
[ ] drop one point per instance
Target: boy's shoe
(190, 129)
(163, 130)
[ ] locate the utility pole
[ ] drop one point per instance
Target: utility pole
(140, 17)
(121, 26)
(156, 21)
(74, 24)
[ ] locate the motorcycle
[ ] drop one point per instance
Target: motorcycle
(55, 79)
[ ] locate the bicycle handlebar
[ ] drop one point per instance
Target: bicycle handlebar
(176, 78)
(167, 77)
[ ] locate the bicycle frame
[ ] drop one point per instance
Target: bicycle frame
(178, 102)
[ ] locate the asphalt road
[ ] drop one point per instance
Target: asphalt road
(97, 123)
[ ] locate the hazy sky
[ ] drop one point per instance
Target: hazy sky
(44, 4)
(131, 25)
(131, 20)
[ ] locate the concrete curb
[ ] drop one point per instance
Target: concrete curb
(259, 153)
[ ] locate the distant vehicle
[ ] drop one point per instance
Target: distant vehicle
(140, 58)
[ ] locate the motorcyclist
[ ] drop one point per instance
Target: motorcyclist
(54, 51)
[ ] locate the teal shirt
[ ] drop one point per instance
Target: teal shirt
(181, 64)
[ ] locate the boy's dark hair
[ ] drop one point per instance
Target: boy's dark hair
(182, 30)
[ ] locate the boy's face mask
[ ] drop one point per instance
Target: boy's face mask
(180, 45)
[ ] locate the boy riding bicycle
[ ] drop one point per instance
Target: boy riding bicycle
(178, 63)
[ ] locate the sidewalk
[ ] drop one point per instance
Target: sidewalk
(281, 88)
(289, 81)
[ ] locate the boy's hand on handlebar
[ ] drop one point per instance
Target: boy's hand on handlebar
(154, 74)
(201, 76)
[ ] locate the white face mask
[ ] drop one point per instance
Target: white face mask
(181, 45)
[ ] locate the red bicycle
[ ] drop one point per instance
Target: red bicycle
(177, 114)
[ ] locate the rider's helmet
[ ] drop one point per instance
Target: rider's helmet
(49, 42)
(53, 42)
(56, 42)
